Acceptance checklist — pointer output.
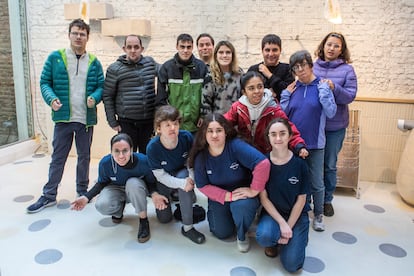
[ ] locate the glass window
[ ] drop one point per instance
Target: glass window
(16, 120)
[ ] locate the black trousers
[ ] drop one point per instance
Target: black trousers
(140, 132)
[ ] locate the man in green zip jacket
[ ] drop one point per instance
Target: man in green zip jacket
(180, 80)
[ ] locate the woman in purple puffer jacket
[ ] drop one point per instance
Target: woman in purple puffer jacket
(332, 66)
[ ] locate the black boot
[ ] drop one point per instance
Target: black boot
(144, 230)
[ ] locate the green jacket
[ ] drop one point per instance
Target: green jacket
(180, 86)
(54, 84)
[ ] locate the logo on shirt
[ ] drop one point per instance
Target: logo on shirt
(209, 172)
(113, 178)
(163, 163)
(293, 180)
(185, 155)
(234, 166)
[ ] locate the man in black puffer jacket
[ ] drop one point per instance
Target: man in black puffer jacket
(129, 93)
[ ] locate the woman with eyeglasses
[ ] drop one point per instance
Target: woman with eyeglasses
(333, 66)
(124, 176)
(253, 112)
(308, 102)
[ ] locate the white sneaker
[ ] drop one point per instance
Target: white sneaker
(318, 224)
(243, 246)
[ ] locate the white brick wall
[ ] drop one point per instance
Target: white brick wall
(379, 34)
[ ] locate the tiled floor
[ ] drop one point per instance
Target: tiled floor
(373, 235)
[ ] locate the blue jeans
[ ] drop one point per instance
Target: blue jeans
(62, 143)
(292, 254)
(334, 141)
(315, 164)
(237, 216)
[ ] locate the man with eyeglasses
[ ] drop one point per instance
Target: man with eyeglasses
(72, 84)
(129, 93)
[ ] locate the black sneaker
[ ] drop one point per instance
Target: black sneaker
(144, 231)
(193, 235)
(328, 210)
(174, 195)
(117, 220)
(40, 204)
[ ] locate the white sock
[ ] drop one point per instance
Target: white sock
(187, 227)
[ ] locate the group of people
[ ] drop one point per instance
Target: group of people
(261, 144)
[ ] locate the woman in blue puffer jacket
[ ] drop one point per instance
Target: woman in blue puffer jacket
(332, 66)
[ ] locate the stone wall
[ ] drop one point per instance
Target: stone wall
(379, 34)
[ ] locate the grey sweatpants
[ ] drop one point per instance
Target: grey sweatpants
(112, 199)
(186, 205)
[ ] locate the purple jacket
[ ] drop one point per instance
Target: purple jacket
(345, 80)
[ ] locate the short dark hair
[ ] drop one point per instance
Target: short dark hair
(134, 35)
(121, 137)
(205, 35)
(80, 24)
(166, 113)
(299, 57)
(271, 39)
(185, 38)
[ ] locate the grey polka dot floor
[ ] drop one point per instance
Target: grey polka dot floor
(372, 235)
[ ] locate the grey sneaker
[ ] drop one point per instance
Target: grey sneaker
(243, 246)
(318, 224)
(40, 204)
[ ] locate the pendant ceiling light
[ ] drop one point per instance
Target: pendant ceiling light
(333, 11)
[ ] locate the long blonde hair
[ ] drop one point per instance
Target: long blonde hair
(216, 72)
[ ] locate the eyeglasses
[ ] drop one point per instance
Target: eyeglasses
(78, 34)
(302, 65)
(254, 88)
(118, 152)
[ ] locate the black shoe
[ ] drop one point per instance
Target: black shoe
(193, 235)
(144, 231)
(328, 210)
(272, 252)
(117, 220)
(174, 195)
(40, 204)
